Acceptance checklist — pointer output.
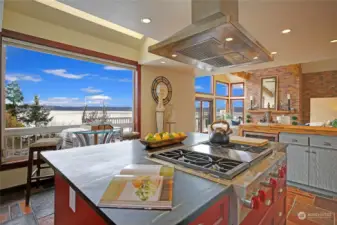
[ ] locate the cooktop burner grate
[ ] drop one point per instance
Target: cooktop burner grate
(217, 166)
(240, 147)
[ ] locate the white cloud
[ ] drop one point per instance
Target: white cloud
(98, 98)
(113, 68)
(18, 76)
(62, 101)
(91, 90)
(63, 73)
(124, 80)
(198, 87)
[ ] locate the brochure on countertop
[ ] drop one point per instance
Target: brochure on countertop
(140, 186)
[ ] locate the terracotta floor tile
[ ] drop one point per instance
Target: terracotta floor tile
(313, 215)
(305, 199)
(326, 203)
(3, 218)
(290, 198)
(303, 193)
(47, 220)
(290, 223)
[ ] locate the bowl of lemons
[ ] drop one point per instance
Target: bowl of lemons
(163, 139)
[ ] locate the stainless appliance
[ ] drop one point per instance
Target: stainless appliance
(270, 137)
(214, 39)
(218, 166)
(223, 161)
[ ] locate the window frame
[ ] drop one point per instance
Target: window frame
(225, 83)
(212, 87)
(243, 107)
(73, 51)
(231, 90)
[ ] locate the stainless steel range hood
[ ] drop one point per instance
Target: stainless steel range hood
(215, 39)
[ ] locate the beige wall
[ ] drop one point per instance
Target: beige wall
(28, 25)
(319, 66)
(323, 109)
(182, 98)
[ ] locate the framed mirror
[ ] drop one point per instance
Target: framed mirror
(269, 92)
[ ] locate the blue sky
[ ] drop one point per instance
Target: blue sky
(67, 82)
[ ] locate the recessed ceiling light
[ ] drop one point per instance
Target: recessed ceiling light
(146, 20)
(174, 55)
(286, 31)
(273, 53)
(255, 57)
(229, 39)
(334, 41)
(162, 62)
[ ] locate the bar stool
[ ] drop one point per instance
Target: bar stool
(43, 144)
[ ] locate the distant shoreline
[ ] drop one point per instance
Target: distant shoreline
(89, 108)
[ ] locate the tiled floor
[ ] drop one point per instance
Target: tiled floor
(303, 208)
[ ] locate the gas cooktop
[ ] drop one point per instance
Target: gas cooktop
(214, 165)
(224, 161)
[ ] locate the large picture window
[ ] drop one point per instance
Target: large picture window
(203, 84)
(50, 92)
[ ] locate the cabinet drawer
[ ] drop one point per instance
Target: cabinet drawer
(295, 139)
(216, 214)
(323, 141)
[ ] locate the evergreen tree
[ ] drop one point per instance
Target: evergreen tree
(37, 114)
(14, 98)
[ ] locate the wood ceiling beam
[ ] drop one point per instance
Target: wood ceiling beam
(243, 75)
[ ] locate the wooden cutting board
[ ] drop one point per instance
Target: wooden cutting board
(248, 141)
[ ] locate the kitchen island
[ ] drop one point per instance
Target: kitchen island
(82, 175)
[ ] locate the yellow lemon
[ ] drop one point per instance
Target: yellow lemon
(157, 137)
(182, 134)
(166, 137)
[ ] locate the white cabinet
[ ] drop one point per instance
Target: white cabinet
(298, 164)
(323, 168)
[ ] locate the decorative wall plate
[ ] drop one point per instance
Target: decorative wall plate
(162, 81)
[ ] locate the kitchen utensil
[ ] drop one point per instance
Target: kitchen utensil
(220, 135)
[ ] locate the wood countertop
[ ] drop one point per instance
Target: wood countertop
(278, 128)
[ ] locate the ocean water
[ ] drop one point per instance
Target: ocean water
(62, 118)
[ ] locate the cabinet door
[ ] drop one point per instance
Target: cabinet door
(323, 168)
(298, 164)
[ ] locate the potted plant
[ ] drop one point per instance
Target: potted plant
(248, 118)
(294, 119)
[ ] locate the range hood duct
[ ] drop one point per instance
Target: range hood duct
(203, 44)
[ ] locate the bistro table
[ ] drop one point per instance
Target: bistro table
(108, 136)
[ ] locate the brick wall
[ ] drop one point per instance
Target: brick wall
(288, 83)
(317, 85)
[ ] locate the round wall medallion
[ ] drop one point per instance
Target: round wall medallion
(164, 84)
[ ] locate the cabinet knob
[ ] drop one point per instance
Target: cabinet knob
(280, 190)
(280, 214)
(267, 202)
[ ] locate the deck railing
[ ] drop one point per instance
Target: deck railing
(17, 140)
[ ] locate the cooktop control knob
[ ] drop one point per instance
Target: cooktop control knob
(253, 203)
(262, 195)
(271, 182)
